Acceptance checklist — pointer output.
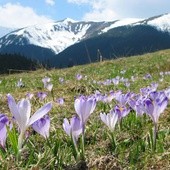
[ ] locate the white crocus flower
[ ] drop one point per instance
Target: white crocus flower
(110, 119)
(22, 111)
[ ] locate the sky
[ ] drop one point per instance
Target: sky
(23, 13)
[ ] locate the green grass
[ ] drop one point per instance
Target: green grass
(134, 148)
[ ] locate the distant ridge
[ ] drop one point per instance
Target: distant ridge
(67, 41)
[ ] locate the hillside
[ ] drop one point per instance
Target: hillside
(134, 148)
(117, 42)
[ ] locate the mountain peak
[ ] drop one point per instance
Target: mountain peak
(67, 20)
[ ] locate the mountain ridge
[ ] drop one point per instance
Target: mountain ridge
(46, 42)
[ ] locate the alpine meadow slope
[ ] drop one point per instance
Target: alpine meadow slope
(125, 144)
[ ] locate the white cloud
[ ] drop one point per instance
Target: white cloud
(78, 1)
(16, 16)
(101, 10)
(50, 2)
(100, 15)
(118, 9)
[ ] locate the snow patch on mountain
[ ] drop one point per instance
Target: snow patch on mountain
(162, 23)
(126, 21)
(55, 36)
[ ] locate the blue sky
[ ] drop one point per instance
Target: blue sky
(21, 13)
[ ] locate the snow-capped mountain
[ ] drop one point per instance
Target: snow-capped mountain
(59, 35)
(44, 41)
(161, 22)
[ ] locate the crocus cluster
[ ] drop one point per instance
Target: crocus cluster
(148, 101)
(73, 129)
(21, 112)
(155, 104)
(84, 106)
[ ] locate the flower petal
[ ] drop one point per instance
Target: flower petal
(40, 113)
(76, 126)
(103, 117)
(78, 105)
(67, 126)
(24, 108)
(42, 126)
(13, 108)
(3, 134)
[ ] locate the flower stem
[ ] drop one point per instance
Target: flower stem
(52, 94)
(20, 141)
(154, 136)
(83, 150)
(113, 141)
(77, 157)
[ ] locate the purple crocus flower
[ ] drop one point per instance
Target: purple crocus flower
(46, 80)
(47, 84)
(60, 101)
(122, 111)
(29, 96)
(107, 82)
(146, 91)
(110, 119)
(98, 95)
(137, 106)
(41, 95)
(73, 129)
(42, 126)
(127, 84)
(123, 98)
(84, 106)
(155, 105)
(147, 76)
(3, 131)
(116, 80)
(79, 76)
(61, 80)
(22, 112)
(109, 97)
(154, 86)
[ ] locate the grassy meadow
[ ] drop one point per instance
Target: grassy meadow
(134, 144)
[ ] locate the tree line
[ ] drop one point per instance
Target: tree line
(16, 61)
